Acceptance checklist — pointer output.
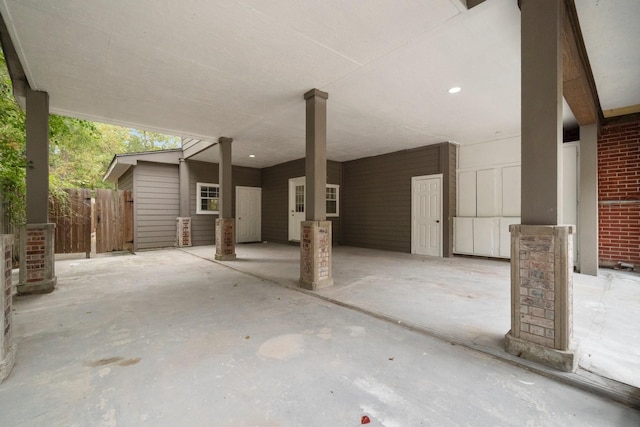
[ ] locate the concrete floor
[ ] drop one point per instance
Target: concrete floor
(465, 299)
(168, 338)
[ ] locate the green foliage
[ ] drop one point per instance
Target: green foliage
(12, 152)
(140, 141)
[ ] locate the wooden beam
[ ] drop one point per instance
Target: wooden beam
(16, 72)
(618, 120)
(622, 111)
(579, 87)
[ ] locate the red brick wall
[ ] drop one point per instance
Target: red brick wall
(619, 180)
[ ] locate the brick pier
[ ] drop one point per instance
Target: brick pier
(7, 347)
(542, 295)
(183, 231)
(37, 262)
(225, 240)
(315, 259)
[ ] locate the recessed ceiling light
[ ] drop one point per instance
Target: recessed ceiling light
(455, 89)
(252, 155)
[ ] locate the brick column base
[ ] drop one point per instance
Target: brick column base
(7, 347)
(183, 231)
(225, 241)
(542, 296)
(315, 255)
(37, 259)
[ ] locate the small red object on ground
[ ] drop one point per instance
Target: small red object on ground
(365, 420)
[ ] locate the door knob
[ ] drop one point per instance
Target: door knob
(438, 221)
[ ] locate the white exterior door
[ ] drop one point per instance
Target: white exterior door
(426, 222)
(248, 214)
(296, 207)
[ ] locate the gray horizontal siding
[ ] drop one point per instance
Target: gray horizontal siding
(376, 197)
(275, 198)
(125, 182)
(203, 225)
(156, 204)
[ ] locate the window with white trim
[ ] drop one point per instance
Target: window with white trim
(208, 198)
(333, 200)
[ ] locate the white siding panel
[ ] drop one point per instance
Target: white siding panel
(489, 154)
(488, 202)
(467, 193)
(511, 191)
(463, 233)
(486, 236)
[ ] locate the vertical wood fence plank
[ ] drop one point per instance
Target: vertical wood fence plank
(109, 214)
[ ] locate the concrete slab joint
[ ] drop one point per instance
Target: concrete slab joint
(37, 259)
(225, 241)
(7, 347)
(183, 231)
(315, 259)
(542, 295)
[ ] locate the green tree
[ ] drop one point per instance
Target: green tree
(140, 141)
(12, 153)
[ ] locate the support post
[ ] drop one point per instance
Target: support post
(37, 262)
(37, 150)
(225, 223)
(183, 222)
(542, 251)
(588, 208)
(7, 347)
(315, 231)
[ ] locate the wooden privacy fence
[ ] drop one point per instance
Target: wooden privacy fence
(114, 220)
(71, 212)
(78, 215)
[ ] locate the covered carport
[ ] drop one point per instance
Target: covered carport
(168, 337)
(351, 81)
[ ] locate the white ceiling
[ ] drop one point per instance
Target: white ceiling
(611, 33)
(206, 69)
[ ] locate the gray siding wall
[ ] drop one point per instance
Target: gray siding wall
(125, 182)
(376, 197)
(202, 225)
(156, 205)
(275, 199)
(448, 155)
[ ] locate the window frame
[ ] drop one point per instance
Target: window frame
(199, 198)
(337, 199)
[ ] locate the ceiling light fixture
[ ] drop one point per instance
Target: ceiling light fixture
(252, 155)
(455, 89)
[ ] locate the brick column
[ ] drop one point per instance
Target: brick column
(7, 347)
(315, 232)
(183, 222)
(542, 295)
(225, 224)
(225, 243)
(315, 257)
(541, 250)
(37, 261)
(183, 226)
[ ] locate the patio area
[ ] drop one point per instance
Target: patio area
(467, 300)
(169, 337)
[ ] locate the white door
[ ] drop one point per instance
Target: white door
(248, 214)
(426, 223)
(296, 207)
